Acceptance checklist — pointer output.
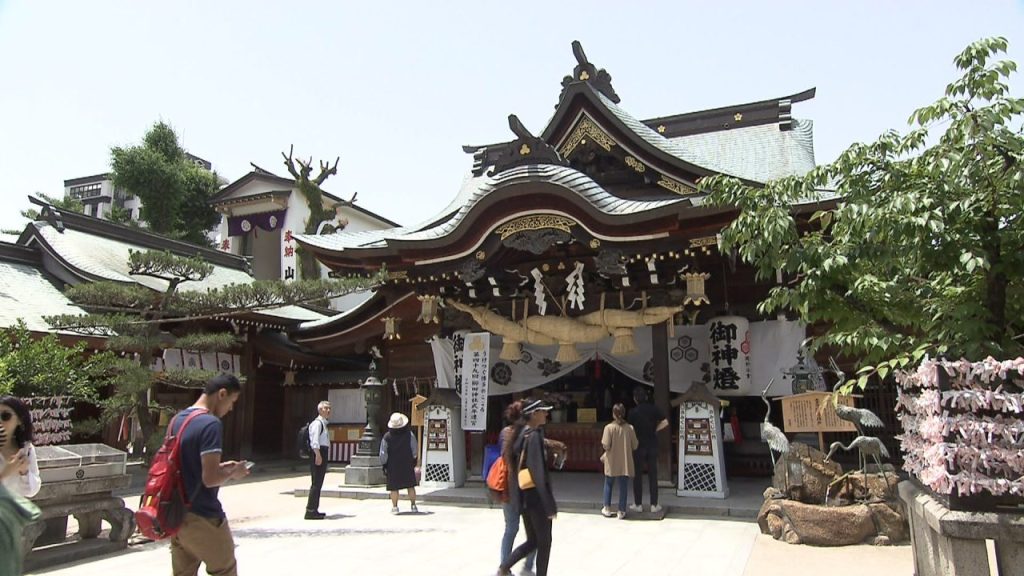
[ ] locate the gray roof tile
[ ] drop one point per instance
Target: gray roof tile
(563, 176)
(107, 259)
(26, 293)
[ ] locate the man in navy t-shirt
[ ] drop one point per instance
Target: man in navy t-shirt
(204, 536)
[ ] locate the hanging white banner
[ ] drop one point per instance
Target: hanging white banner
(475, 379)
(773, 345)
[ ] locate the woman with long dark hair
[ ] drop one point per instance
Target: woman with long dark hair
(19, 470)
(535, 503)
(515, 423)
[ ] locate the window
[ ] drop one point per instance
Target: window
(85, 191)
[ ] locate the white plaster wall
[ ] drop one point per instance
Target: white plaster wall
(294, 220)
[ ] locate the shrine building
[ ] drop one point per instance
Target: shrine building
(586, 253)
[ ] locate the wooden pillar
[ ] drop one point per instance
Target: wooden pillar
(246, 414)
(659, 346)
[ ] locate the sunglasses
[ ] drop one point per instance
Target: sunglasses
(6, 416)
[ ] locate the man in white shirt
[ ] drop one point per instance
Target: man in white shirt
(318, 445)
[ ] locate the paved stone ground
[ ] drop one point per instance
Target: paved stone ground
(360, 536)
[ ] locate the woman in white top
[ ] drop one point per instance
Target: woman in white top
(19, 470)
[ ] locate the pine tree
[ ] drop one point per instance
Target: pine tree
(138, 322)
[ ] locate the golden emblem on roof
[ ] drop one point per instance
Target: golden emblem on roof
(535, 222)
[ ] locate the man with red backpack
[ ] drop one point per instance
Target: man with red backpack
(204, 536)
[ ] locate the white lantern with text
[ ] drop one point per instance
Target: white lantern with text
(729, 342)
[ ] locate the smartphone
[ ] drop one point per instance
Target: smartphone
(249, 465)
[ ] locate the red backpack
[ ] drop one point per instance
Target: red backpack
(164, 502)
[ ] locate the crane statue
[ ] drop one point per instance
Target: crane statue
(866, 446)
(775, 438)
(861, 418)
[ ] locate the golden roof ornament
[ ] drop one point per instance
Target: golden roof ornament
(599, 80)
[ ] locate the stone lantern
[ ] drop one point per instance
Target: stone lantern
(803, 375)
(364, 469)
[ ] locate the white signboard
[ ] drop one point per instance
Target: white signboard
(475, 380)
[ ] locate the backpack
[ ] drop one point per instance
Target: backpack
(302, 446)
(164, 503)
(497, 479)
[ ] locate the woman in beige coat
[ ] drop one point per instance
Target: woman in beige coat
(619, 441)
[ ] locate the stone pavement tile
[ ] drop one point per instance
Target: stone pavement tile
(771, 557)
(360, 536)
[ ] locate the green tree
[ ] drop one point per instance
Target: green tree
(924, 250)
(139, 322)
(43, 366)
(175, 192)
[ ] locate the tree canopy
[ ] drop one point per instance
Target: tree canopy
(921, 249)
(43, 366)
(175, 192)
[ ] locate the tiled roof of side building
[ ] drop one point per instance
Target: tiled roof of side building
(100, 258)
(26, 293)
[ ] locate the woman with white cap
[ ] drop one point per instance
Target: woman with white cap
(398, 457)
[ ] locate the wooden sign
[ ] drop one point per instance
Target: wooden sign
(586, 415)
(804, 413)
(417, 412)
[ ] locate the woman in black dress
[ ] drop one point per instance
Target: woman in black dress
(398, 457)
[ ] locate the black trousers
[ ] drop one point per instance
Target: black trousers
(317, 473)
(538, 535)
(645, 455)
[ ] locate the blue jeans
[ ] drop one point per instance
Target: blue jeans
(623, 484)
(511, 529)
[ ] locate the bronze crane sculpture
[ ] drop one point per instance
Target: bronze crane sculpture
(861, 418)
(866, 446)
(775, 438)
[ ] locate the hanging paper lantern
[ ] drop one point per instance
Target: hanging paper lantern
(391, 328)
(695, 288)
(429, 309)
(729, 338)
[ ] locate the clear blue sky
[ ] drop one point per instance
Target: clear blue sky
(395, 88)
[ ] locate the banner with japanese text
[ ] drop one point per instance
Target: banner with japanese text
(475, 376)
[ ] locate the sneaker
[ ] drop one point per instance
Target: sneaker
(636, 508)
(313, 515)
(621, 515)
(655, 508)
(415, 509)
(606, 512)
(394, 510)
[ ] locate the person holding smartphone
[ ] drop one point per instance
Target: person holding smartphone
(19, 470)
(205, 536)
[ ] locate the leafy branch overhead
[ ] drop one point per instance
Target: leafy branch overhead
(908, 245)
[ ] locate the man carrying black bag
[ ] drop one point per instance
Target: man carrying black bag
(318, 445)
